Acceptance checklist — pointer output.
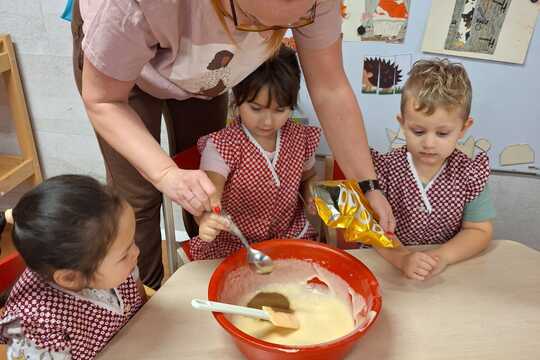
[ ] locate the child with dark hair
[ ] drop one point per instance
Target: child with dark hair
(260, 164)
(81, 285)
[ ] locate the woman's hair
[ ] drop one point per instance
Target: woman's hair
(67, 222)
(438, 83)
(280, 74)
(273, 43)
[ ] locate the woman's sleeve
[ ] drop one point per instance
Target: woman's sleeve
(117, 39)
(326, 28)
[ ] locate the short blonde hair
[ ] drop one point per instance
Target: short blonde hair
(438, 83)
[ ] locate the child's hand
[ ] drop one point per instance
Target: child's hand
(442, 263)
(210, 225)
(310, 204)
(418, 265)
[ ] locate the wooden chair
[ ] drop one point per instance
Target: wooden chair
(14, 169)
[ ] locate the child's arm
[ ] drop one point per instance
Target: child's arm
(308, 177)
(473, 238)
(414, 264)
(211, 224)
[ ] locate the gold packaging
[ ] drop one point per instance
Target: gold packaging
(342, 205)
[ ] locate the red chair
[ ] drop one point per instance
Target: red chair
(187, 159)
(11, 267)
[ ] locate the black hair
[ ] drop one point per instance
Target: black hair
(66, 222)
(280, 73)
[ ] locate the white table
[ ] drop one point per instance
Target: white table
(485, 308)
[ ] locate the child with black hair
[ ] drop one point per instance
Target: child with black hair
(81, 285)
(260, 165)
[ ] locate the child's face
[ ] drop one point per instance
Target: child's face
(122, 256)
(262, 121)
(432, 138)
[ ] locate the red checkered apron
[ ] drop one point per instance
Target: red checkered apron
(57, 321)
(435, 216)
(261, 197)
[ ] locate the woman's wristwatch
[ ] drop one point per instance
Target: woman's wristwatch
(368, 185)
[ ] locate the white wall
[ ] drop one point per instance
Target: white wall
(66, 142)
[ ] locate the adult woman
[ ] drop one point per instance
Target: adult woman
(142, 55)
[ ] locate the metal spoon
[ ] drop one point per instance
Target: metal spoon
(257, 260)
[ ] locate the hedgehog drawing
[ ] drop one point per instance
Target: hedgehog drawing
(380, 73)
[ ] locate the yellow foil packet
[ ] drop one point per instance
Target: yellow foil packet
(342, 205)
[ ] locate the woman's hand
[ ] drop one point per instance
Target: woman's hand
(191, 189)
(382, 207)
(210, 225)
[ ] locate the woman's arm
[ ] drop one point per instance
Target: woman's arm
(341, 120)
(106, 102)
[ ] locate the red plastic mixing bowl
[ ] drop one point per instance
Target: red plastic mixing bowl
(349, 268)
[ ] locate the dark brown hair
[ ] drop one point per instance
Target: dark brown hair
(280, 74)
(67, 222)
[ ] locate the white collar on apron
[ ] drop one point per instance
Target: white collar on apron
(118, 311)
(423, 190)
(271, 164)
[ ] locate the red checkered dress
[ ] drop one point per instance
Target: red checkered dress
(58, 321)
(261, 197)
(438, 217)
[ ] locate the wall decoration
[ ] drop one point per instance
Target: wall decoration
(517, 154)
(370, 75)
(497, 30)
(375, 20)
(384, 75)
(397, 139)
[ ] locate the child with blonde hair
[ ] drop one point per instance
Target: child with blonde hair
(438, 194)
(81, 285)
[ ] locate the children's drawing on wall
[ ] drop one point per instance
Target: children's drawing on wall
(370, 75)
(375, 20)
(403, 65)
(396, 139)
(486, 29)
(384, 75)
(472, 146)
(476, 25)
(517, 154)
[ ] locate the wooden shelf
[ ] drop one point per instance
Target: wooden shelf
(4, 62)
(14, 169)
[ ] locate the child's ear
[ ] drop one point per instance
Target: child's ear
(468, 123)
(399, 118)
(69, 279)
